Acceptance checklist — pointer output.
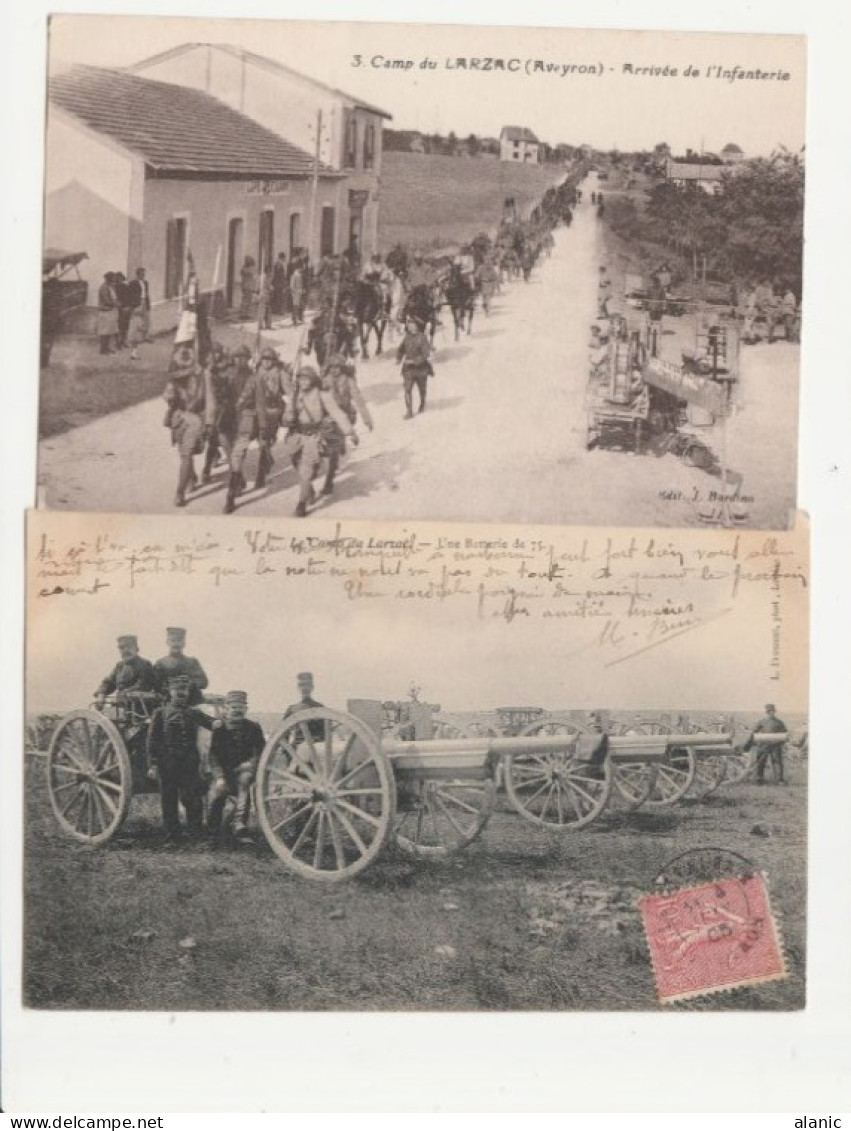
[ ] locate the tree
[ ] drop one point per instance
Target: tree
(474, 147)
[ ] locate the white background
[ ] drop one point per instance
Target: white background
(796, 1062)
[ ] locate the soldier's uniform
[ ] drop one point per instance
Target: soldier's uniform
(131, 673)
(416, 368)
(250, 409)
(185, 396)
(235, 750)
(173, 752)
(315, 728)
(172, 666)
(309, 436)
(341, 382)
(221, 413)
(276, 387)
(486, 280)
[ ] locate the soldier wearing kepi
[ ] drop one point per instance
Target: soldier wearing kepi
(416, 368)
(341, 382)
(235, 751)
(275, 379)
(316, 728)
(174, 761)
(178, 664)
(221, 414)
(306, 418)
(131, 673)
(769, 724)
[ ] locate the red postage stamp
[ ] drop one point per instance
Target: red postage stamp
(716, 936)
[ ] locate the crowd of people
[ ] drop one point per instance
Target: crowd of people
(124, 312)
(168, 751)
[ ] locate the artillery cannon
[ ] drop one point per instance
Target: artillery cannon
(332, 791)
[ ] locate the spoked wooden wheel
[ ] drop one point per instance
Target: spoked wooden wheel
(634, 783)
(88, 776)
(326, 797)
(741, 764)
(443, 815)
(710, 771)
(554, 788)
(675, 775)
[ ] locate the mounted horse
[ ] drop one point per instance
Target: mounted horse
(423, 305)
(325, 339)
(460, 294)
(369, 306)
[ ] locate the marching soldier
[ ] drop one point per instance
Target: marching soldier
(175, 663)
(235, 750)
(307, 418)
(185, 396)
(221, 414)
(487, 281)
(416, 368)
(174, 761)
(131, 673)
(276, 387)
(341, 382)
(249, 410)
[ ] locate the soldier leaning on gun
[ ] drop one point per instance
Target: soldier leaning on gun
(174, 760)
(131, 673)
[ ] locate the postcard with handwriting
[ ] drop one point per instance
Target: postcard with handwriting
(351, 766)
(344, 271)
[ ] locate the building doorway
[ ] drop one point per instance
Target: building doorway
(295, 232)
(235, 239)
(326, 235)
(266, 247)
(356, 233)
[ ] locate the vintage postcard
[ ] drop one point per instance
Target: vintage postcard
(360, 766)
(468, 274)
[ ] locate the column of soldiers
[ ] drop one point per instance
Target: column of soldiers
(218, 409)
(171, 755)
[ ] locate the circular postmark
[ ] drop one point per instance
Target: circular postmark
(701, 866)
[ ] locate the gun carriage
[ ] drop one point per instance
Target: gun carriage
(332, 790)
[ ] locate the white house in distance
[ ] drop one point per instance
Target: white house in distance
(517, 143)
(732, 154)
(140, 173)
(289, 103)
(706, 177)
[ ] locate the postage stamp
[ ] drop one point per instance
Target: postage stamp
(712, 937)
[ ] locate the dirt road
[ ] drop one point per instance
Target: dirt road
(503, 438)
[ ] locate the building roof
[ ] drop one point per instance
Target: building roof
(261, 61)
(731, 147)
(175, 129)
(682, 171)
(517, 133)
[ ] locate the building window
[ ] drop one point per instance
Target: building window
(351, 155)
(175, 256)
(369, 147)
(266, 243)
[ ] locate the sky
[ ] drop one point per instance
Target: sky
(617, 108)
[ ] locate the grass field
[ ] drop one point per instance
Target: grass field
(521, 920)
(430, 202)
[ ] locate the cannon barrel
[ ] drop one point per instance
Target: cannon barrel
(474, 756)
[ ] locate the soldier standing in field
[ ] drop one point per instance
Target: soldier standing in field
(309, 433)
(770, 723)
(413, 353)
(235, 750)
(174, 761)
(175, 663)
(306, 702)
